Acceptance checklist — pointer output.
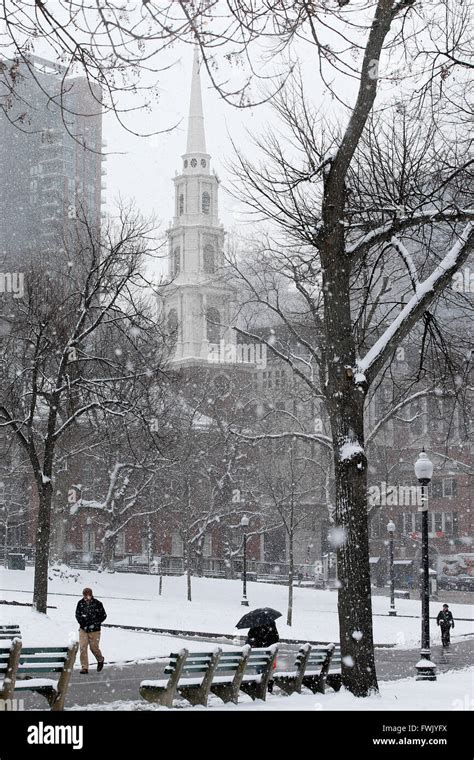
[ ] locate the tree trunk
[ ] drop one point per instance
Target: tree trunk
(187, 566)
(345, 397)
(188, 576)
(352, 544)
(229, 570)
(108, 552)
(43, 531)
(5, 541)
(291, 576)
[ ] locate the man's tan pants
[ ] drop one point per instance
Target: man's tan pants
(91, 640)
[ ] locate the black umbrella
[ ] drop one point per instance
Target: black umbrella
(262, 616)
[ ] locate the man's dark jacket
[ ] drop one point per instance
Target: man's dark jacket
(445, 619)
(90, 615)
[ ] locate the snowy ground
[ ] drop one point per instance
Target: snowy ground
(132, 599)
(452, 691)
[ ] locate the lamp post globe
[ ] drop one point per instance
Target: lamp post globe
(425, 669)
(424, 468)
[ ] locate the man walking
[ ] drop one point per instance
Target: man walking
(90, 615)
(446, 621)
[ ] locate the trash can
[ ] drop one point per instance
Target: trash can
(16, 561)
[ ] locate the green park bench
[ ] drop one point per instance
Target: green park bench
(23, 669)
(194, 675)
(315, 666)
(10, 631)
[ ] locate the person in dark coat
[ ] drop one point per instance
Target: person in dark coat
(90, 615)
(263, 636)
(446, 621)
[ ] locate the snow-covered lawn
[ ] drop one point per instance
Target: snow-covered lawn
(132, 599)
(452, 691)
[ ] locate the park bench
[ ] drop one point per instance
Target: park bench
(194, 675)
(9, 661)
(10, 631)
(315, 666)
(24, 668)
(401, 594)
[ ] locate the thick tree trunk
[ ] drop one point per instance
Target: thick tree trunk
(345, 398)
(43, 533)
(351, 540)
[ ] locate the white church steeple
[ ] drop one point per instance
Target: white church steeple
(198, 301)
(196, 135)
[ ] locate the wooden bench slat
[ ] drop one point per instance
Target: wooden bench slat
(37, 651)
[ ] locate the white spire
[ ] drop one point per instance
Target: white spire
(196, 137)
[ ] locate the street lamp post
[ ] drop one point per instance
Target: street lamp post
(425, 669)
(391, 530)
(243, 524)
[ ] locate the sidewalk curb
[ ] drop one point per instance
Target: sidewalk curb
(208, 635)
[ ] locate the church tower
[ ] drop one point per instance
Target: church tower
(198, 301)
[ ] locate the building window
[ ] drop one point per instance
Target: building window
(206, 202)
(408, 523)
(442, 522)
(279, 376)
(176, 260)
(213, 330)
(177, 548)
(88, 540)
(448, 523)
(120, 544)
(181, 205)
(208, 259)
(207, 545)
(448, 487)
(173, 325)
(438, 522)
(375, 526)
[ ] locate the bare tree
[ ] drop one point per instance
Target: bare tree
(57, 375)
(367, 259)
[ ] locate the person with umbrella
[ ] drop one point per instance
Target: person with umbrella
(262, 630)
(263, 635)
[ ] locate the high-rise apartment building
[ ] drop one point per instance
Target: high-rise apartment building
(51, 163)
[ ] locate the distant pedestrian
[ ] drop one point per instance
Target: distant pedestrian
(263, 636)
(90, 615)
(446, 621)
